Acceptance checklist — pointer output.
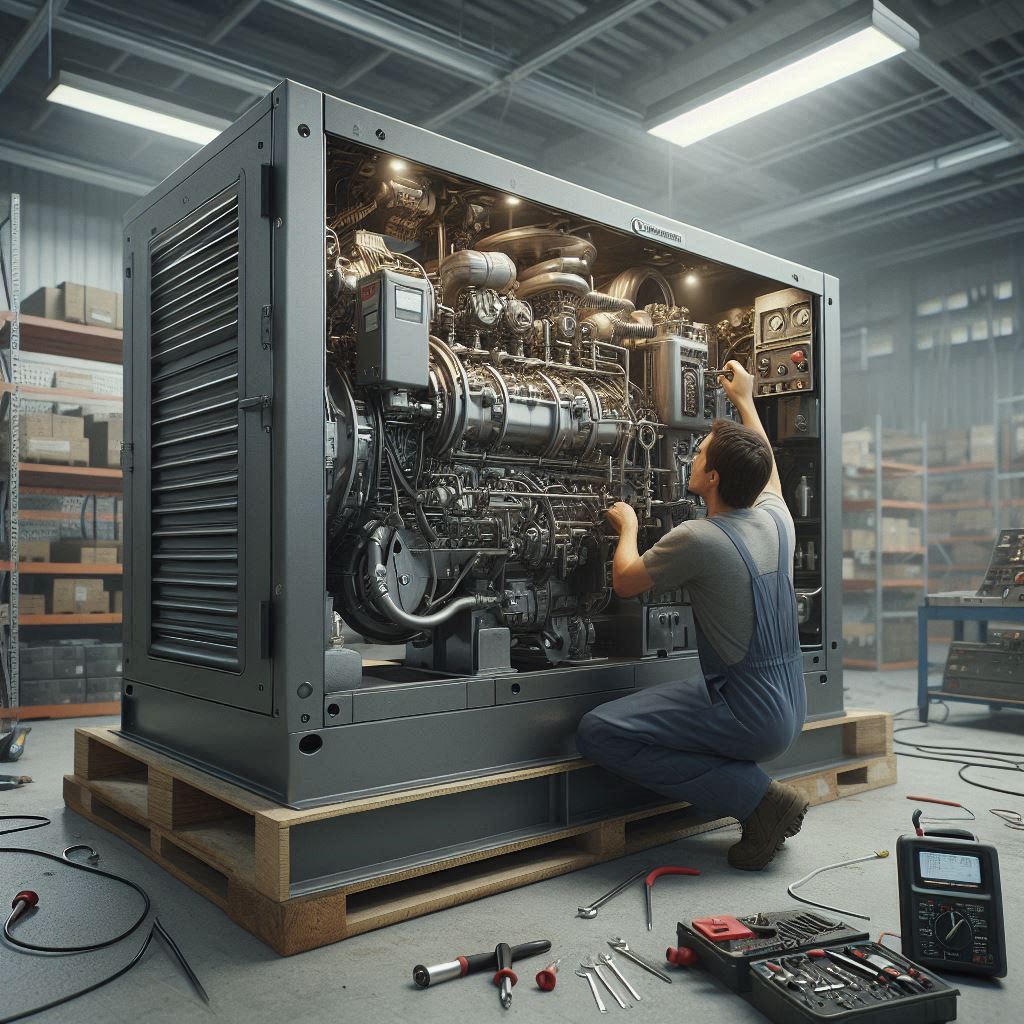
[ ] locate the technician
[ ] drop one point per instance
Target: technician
(699, 740)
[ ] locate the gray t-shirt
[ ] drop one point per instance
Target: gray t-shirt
(698, 556)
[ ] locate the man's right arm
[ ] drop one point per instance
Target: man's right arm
(740, 391)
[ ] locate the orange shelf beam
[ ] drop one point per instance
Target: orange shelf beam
(93, 619)
(102, 707)
(58, 338)
(77, 478)
(71, 568)
(62, 394)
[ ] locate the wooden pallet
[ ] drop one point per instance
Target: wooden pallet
(233, 847)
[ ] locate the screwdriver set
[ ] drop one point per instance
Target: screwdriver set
(801, 966)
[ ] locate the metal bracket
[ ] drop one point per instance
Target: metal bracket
(262, 403)
(266, 326)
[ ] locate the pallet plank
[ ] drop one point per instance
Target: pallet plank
(234, 847)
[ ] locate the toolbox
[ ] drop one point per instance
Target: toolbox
(803, 966)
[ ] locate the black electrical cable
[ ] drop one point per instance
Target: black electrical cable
(1006, 761)
(3, 267)
(40, 821)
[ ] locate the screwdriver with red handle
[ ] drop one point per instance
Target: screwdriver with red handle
(649, 885)
(424, 977)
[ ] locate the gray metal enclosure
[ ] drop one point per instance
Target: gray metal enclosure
(229, 659)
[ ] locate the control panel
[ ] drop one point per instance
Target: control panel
(1005, 576)
(783, 343)
(951, 912)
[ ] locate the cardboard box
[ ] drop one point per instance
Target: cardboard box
(32, 604)
(103, 689)
(79, 597)
(56, 450)
(105, 437)
(73, 380)
(36, 424)
(981, 443)
(100, 307)
(117, 602)
(89, 552)
(119, 325)
(34, 551)
(65, 302)
(70, 427)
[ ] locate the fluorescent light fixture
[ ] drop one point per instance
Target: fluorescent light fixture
(859, 37)
(94, 95)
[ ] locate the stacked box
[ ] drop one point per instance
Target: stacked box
(105, 438)
(79, 596)
(34, 551)
(981, 442)
(86, 551)
(77, 304)
(46, 437)
(32, 604)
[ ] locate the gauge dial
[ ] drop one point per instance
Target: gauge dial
(953, 931)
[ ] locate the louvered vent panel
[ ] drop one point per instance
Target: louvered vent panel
(194, 437)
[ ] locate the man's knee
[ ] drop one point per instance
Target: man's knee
(595, 736)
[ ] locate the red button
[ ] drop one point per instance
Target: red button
(1018, 580)
(798, 356)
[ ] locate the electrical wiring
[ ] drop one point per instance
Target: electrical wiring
(877, 855)
(978, 757)
(39, 821)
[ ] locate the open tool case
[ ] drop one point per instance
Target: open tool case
(738, 951)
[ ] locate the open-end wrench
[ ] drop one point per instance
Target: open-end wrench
(607, 959)
(593, 988)
(621, 946)
(590, 965)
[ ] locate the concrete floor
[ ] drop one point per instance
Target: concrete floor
(369, 977)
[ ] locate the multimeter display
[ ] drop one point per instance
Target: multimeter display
(949, 867)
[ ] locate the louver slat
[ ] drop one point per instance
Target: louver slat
(195, 594)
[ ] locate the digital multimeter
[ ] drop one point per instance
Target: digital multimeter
(951, 904)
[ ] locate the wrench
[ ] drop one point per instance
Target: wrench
(590, 911)
(607, 958)
(593, 988)
(620, 946)
(589, 965)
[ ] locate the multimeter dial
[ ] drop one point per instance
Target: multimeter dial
(953, 931)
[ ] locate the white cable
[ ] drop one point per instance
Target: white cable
(878, 854)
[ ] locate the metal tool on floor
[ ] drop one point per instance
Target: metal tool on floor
(588, 978)
(13, 781)
(12, 742)
(589, 964)
(649, 886)
(589, 912)
(548, 977)
(424, 977)
(504, 977)
(607, 959)
(621, 946)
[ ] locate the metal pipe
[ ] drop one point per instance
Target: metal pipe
(378, 587)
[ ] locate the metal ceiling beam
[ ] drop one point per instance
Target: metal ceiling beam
(357, 71)
(71, 167)
(906, 176)
(577, 32)
(159, 49)
(957, 240)
(1008, 127)
(25, 45)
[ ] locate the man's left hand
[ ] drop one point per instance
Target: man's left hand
(622, 516)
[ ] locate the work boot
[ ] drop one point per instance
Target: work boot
(778, 816)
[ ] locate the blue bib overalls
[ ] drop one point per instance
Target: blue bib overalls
(699, 740)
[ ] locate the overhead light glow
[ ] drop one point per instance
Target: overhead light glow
(398, 166)
(512, 200)
(691, 279)
(856, 52)
(100, 101)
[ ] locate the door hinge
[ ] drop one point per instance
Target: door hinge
(263, 404)
(127, 457)
(266, 325)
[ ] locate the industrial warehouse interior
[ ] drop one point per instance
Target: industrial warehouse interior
(511, 508)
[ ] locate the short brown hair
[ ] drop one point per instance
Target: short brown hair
(742, 459)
